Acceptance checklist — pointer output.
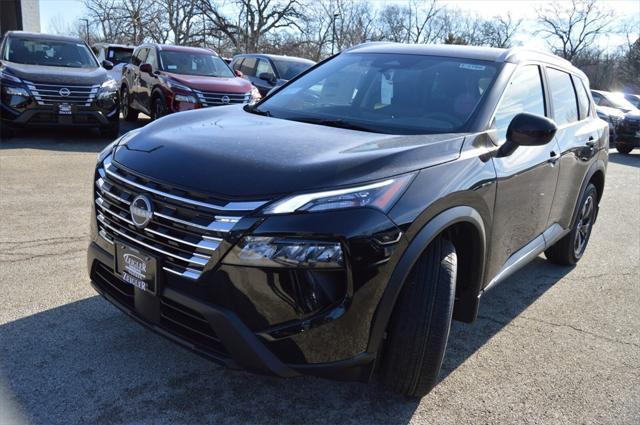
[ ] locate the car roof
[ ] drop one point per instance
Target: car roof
(40, 36)
(278, 57)
(490, 54)
(119, 46)
(174, 48)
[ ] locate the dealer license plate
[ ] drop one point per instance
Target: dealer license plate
(136, 267)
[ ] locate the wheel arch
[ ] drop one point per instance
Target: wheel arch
(595, 175)
(465, 226)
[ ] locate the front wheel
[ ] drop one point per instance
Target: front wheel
(419, 327)
(624, 149)
(159, 107)
(569, 250)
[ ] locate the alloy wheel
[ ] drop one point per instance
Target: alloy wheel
(584, 224)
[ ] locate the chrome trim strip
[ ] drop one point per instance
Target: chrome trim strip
(210, 247)
(192, 260)
(210, 227)
(188, 273)
(527, 253)
(100, 183)
(105, 236)
(232, 206)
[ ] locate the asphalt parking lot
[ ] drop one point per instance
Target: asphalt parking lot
(552, 345)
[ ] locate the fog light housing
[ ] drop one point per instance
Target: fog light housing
(264, 251)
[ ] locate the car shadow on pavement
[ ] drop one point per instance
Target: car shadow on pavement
(632, 159)
(86, 362)
(72, 139)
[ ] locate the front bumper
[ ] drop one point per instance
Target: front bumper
(48, 116)
(628, 133)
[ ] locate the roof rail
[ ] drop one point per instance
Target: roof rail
(514, 51)
(367, 43)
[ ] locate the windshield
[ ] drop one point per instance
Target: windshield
(28, 51)
(194, 64)
(118, 55)
(386, 93)
(289, 69)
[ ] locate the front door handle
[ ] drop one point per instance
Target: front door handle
(591, 142)
(553, 157)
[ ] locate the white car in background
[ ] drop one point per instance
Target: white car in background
(118, 54)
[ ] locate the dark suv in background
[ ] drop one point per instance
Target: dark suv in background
(161, 79)
(338, 226)
(50, 80)
(627, 129)
(269, 71)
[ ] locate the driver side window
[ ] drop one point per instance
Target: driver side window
(523, 94)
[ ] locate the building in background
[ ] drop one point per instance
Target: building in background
(19, 15)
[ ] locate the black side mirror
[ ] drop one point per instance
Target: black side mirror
(107, 64)
(528, 129)
(267, 76)
(146, 67)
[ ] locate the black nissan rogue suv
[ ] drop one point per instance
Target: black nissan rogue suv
(51, 80)
(337, 227)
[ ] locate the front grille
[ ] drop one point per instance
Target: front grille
(208, 98)
(184, 231)
(175, 318)
(189, 325)
(54, 94)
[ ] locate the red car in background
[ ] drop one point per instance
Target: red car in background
(161, 79)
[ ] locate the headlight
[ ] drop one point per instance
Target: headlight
(184, 98)
(262, 251)
(107, 89)
(255, 95)
(175, 86)
(4, 75)
(381, 195)
(15, 91)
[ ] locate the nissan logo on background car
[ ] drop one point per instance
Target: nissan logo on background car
(225, 99)
(141, 211)
(64, 92)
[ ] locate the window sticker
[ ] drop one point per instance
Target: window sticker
(172, 66)
(472, 67)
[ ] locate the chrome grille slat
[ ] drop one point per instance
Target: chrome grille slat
(184, 232)
(49, 94)
(215, 98)
(198, 260)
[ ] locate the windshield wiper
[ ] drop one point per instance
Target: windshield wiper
(336, 122)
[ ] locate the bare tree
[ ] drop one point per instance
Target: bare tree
(179, 19)
(246, 22)
(571, 27)
(499, 31)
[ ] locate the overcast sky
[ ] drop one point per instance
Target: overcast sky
(69, 11)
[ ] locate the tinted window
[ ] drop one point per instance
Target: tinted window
(523, 94)
(565, 108)
(119, 55)
(236, 64)
(263, 66)
(195, 63)
(247, 66)
(139, 57)
(289, 69)
(68, 54)
(583, 99)
(387, 93)
(152, 59)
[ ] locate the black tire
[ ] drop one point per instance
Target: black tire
(622, 148)
(111, 131)
(419, 327)
(128, 113)
(568, 250)
(158, 106)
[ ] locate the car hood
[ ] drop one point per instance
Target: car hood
(633, 115)
(57, 74)
(609, 111)
(229, 152)
(217, 84)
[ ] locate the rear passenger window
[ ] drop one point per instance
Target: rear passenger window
(583, 98)
(236, 64)
(565, 107)
(523, 94)
(248, 65)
